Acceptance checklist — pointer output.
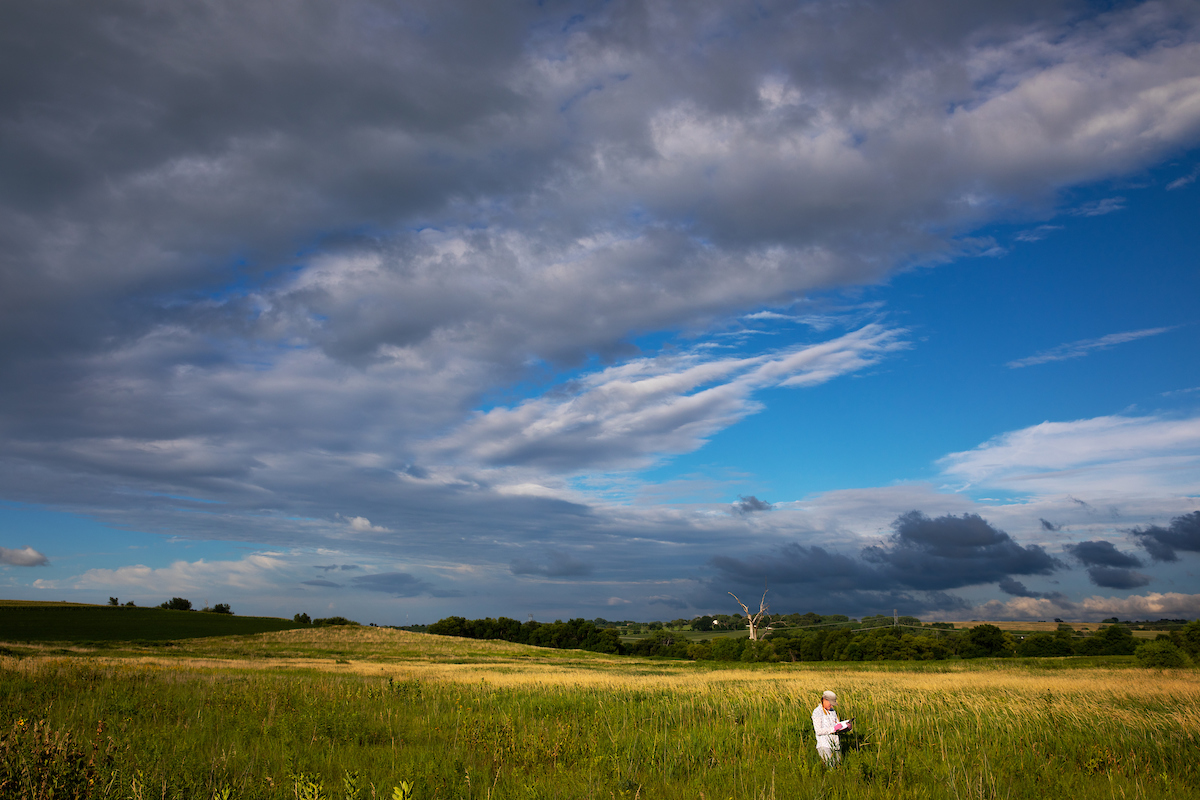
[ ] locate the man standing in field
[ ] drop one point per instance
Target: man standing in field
(825, 725)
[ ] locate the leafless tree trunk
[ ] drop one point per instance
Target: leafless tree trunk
(754, 619)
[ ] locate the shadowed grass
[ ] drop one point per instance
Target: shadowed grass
(75, 623)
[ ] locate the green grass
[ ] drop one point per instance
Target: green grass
(71, 623)
(491, 720)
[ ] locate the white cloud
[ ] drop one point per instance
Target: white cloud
(1152, 606)
(363, 525)
(1114, 454)
(632, 414)
(1038, 233)
(1099, 208)
(771, 315)
(1085, 346)
(1183, 181)
(22, 557)
(251, 574)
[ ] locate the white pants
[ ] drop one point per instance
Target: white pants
(829, 749)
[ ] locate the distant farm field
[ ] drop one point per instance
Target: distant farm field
(68, 622)
(361, 713)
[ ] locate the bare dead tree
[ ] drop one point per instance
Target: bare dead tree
(754, 619)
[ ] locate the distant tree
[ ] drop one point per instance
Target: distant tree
(302, 619)
(112, 601)
(219, 608)
(1044, 645)
(1117, 641)
(1161, 654)
(333, 621)
(754, 620)
(177, 604)
(985, 641)
(129, 604)
(1189, 639)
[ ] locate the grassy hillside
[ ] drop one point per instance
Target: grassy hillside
(22, 621)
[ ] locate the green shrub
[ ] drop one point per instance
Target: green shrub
(1162, 654)
(1043, 645)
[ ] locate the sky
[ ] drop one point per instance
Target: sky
(398, 311)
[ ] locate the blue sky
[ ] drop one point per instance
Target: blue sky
(399, 312)
(1130, 270)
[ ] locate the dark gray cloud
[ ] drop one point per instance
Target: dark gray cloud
(398, 584)
(667, 601)
(923, 557)
(1049, 526)
(750, 504)
(1116, 578)
(1018, 589)
(1101, 554)
(1164, 544)
(322, 583)
(23, 557)
(557, 564)
(801, 578)
(1015, 588)
(794, 563)
(951, 551)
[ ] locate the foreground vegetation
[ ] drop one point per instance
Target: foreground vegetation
(454, 718)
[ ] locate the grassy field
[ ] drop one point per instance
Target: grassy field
(339, 713)
(28, 621)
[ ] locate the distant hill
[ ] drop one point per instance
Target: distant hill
(29, 621)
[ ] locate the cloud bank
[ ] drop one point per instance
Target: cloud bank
(388, 279)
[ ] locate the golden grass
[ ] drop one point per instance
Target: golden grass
(1006, 692)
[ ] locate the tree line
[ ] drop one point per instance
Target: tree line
(934, 642)
(575, 634)
(178, 604)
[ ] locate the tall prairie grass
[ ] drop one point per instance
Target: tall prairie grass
(460, 722)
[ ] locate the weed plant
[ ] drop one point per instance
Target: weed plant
(81, 728)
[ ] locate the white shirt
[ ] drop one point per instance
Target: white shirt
(823, 722)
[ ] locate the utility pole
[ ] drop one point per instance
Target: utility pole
(895, 619)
